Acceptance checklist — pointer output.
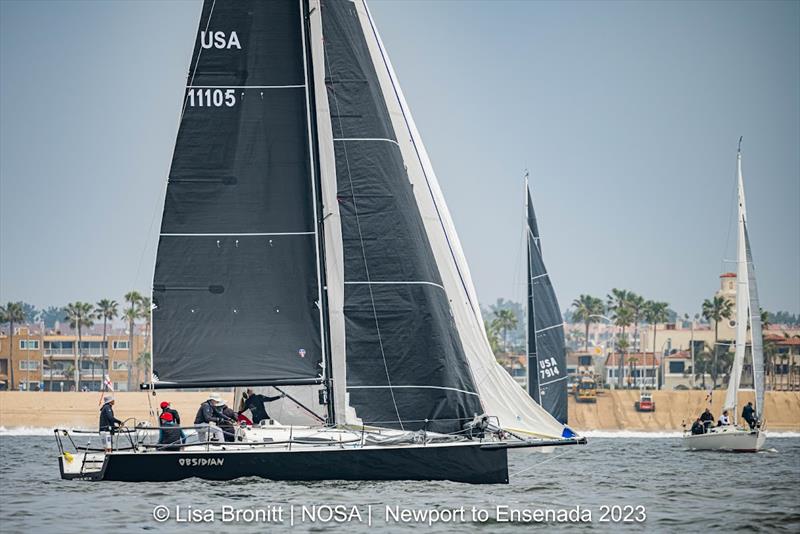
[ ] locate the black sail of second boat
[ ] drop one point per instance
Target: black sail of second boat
(237, 277)
(547, 360)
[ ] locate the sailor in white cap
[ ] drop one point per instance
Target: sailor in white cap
(108, 423)
(206, 415)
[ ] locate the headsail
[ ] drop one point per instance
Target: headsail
(755, 330)
(405, 362)
(237, 278)
(547, 359)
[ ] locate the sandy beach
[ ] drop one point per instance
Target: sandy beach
(613, 411)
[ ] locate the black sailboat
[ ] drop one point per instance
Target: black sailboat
(305, 245)
(547, 358)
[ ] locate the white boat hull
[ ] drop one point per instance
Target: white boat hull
(727, 438)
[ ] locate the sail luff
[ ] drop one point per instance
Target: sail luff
(742, 298)
(530, 345)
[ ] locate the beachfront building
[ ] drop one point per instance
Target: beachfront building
(640, 370)
(52, 361)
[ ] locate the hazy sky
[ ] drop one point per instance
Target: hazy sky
(627, 115)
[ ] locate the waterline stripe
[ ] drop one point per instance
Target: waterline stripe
(414, 387)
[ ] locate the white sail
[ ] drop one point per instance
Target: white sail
(755, 330)
(742, 297)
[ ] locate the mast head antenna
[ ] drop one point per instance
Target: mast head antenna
(740, 144)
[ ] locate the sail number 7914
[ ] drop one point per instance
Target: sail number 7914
(211, 98)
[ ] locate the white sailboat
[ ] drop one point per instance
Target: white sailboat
(734, 437)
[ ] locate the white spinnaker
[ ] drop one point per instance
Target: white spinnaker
(334, 250)
(742, 298)
(500, 395)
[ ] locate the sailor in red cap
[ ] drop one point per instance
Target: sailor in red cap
(170, 435)
(170, 417)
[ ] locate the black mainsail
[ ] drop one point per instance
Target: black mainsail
(547, 359)
(237, 277)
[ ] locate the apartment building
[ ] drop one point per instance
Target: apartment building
(53, 361)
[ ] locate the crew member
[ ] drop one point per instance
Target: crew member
(255, 403)
(724, 420)
(169, 434)
(707, 418)
(749, 415)
(698, 427)
(207, 414)
(108, 423)
(228, 426)
(166, 407)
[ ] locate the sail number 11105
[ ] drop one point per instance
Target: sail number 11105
(211, 98)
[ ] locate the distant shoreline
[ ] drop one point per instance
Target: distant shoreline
(613, 412)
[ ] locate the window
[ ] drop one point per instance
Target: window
(119, 345)
(584, 360)
(28, 344)
(119, 366)
(676, 368)
(28, 365)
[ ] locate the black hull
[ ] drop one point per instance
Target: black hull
(470, 464)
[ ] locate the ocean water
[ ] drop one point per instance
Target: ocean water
(633, 482)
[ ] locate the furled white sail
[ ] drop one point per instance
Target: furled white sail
(742, 297)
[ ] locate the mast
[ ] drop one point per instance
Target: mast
(317, 187)
(530, 343)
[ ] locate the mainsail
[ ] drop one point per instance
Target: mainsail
(748, 310)
(237, 278)
(547, 365)
(305, 239)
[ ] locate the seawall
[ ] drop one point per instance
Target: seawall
(613, 411)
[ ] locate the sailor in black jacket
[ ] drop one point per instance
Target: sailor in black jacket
(207, 414)
(255, 403)
(108, 423)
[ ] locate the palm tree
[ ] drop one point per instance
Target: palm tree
(636, 303)
(505, 320)
(654, 313)
(11, 313)
(716, 309)
(79, 315)
(143, 364)
(107, 310)
(491, 335)
(618, 302)
(587, 309)
(702, 365)
(131, 313)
